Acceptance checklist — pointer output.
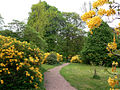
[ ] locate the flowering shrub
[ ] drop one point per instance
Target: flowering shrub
(99, 3)
(52, 58)
(44, 59)
(114, 80)
(59, 57)
(76, 59)
(19, 64)
(92, 19)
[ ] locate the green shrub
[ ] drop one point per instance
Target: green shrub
(52, 59)
(95, 51)
(19, 65)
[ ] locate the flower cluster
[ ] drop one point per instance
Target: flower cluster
(110, 12)
(117, 30)
(76, 59)
(94, 22)
(114, 64)
(101, 11)
(44, 59)
(59, 57)
(88, 15)
(111, 46)
(19, 62)
(113, 80)
(91, 20)
(99, 3)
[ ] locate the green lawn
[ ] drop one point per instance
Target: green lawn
(46, 67)
(80, 76)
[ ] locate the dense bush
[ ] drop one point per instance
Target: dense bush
(9, 33)
(19, 64)
(27, 34)
(52, 58)
(76, 59)
(95, 51)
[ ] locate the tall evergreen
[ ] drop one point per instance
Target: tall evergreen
(95, 51)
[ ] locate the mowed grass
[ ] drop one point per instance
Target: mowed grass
(81, 77)
(47, 67)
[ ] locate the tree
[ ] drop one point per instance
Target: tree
(71, 37)
(56, 24)
(95, 51)
(60, 30)
(1, 22)
(32, 36)
(74, 19)
(15, 25)
(23, 32)
(38, 18)
(46, 20)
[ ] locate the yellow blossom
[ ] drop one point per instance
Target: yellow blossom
(17, 68)
(2, 81)
(94, 22)
(32, 77)
(101, 11)
(0, 70)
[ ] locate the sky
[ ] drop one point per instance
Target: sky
(19, 9)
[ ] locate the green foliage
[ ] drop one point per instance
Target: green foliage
(38, 18)
(15, 25)
(23, 32)
(9, 33)
(61, 31)
(52, 59)
(32, 36)
(46, 20)
(71, 37)
(94, 51)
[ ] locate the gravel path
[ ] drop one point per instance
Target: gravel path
(54, 81)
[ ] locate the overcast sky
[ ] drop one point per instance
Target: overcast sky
(19, 9)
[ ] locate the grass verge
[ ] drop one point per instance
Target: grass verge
(80, 76)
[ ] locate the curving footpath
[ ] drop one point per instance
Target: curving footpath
(54, 81)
